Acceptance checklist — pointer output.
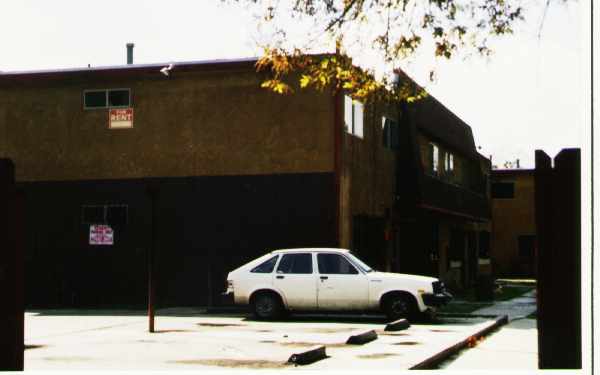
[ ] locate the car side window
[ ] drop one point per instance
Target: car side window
(295, 263)
(266, 267)
(335, 264)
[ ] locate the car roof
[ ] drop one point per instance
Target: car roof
(310, 250)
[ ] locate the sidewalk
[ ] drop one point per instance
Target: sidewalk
(512, 347)
(515, 308)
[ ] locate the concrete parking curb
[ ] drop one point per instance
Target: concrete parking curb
(309, 356)
(398, 325)
(362, 338)
(435, 360)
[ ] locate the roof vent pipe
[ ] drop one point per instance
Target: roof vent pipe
(130, 53)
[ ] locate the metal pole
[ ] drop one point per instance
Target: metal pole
(153, 191)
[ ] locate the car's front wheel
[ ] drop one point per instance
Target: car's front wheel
(266, 306)
(400, 306)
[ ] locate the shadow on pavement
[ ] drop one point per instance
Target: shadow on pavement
(329, 318)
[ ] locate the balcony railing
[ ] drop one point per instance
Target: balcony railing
(450, 197)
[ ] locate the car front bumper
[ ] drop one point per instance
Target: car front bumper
(435, 300)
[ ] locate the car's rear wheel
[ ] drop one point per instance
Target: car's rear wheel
(267, 306)
(398, 306)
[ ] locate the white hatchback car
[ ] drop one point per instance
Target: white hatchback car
(329, 280)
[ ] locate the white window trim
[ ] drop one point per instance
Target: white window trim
(106, 91)
(351, 105)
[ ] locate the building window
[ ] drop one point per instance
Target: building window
(484, 244)
(113, 214)
(449, 163)
(526, 246)
(94, 99)
(108, 98)
(434, 153)
(353, 116)
(93, 215)
(390, 133)
(503, 190)
(117, 215)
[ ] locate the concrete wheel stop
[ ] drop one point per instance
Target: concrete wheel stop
(398, 325)
(309, 356)
(362, 338)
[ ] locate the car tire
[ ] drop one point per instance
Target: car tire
(266, 306)
(400, 306)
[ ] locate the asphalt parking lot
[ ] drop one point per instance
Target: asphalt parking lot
(191, 340)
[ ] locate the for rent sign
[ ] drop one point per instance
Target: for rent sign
(101, 235)
(120, 118)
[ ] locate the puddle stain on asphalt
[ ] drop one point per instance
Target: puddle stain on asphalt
(221, 325)
(407, 343)
(329, 330)
(377, 355)
(385, 333)
(234, 363)
(307, 344)
(34, 346)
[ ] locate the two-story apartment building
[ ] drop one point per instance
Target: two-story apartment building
(237, 171)
(514, 230)
(443, 207)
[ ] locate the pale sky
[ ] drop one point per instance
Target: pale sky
(528, 96)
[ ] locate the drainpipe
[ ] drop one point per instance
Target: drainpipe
(337, 164)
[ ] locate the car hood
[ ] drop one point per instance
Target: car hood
(401, 276)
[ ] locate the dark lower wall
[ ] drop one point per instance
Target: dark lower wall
(207, 226)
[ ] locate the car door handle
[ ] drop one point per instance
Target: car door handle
(324, 277)
(280, 277)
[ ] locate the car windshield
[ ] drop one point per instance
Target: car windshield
(363, 266)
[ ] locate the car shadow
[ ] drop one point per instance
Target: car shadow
(328, 318)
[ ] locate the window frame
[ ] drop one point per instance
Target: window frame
(449, 162)
(389, 129)
(276, 257)
(358, 270)
(435, 159)
(350, 106)
(106, 98)
(280, 260)
(83, 218)
(105, 207)
(492, 191)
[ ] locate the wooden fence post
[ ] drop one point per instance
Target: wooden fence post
(558, 226)
(11, 271)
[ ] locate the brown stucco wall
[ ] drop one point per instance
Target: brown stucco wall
(192, 124)
(367, 171)
(512, 218)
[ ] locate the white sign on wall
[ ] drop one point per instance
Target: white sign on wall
(101, 235)
(120, 118)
